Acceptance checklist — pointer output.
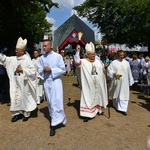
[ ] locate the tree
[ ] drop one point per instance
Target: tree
(23, 18)
(122, 21)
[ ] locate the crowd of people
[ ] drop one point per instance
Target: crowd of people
(31, 81)
(140, 65)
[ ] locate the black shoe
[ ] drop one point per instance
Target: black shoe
(8, 104)
(52, 131)
(25, 119)
(85, 119)
(16, 118)
(100, 113)
(124, 113)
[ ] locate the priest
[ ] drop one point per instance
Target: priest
(39, 78)
(120, 76)
(94, 97)
(21, 73)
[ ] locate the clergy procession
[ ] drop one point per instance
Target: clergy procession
(33, 80)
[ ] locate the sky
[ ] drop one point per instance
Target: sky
(58, 16)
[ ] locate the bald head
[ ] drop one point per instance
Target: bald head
(47, 46)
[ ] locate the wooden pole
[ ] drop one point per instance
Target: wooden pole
(104, 42)
(107, 93)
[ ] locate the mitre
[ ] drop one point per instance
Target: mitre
(90, 48)
(21, 44)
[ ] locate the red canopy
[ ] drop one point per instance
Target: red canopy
(71, 39)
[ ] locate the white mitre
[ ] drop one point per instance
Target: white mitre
(21, 44)
(90, 48)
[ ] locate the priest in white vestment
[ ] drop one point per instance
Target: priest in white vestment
(121, 79)
(94, 97)
(51, 66)
(21, 73)
(39, 78)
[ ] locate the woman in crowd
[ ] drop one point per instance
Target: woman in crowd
(135, 69)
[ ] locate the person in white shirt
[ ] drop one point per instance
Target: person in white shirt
(121, 78)
(39, 78)
(51, 66)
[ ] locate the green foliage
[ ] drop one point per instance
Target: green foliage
(122, 21)
(24, 18)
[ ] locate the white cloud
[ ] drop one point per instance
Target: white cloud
(68, 3)
(98, 35)
(52, 20)
(64, 3)
(75, 12)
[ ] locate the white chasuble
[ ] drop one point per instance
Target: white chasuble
(93, 88)
(22, 85)
(119, 89)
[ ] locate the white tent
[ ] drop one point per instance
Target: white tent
(124, 47)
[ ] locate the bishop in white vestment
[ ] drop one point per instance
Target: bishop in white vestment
(94, 97)
(121, 78)
(21, 73)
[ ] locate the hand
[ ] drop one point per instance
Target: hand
(2, 57)
(19, 69)
(78, 49)
(105, 65)
(115, 74)
(47, 69)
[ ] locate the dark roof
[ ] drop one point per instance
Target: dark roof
(73, 23)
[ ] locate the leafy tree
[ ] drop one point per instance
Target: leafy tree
(122, 21)
(23, 18)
